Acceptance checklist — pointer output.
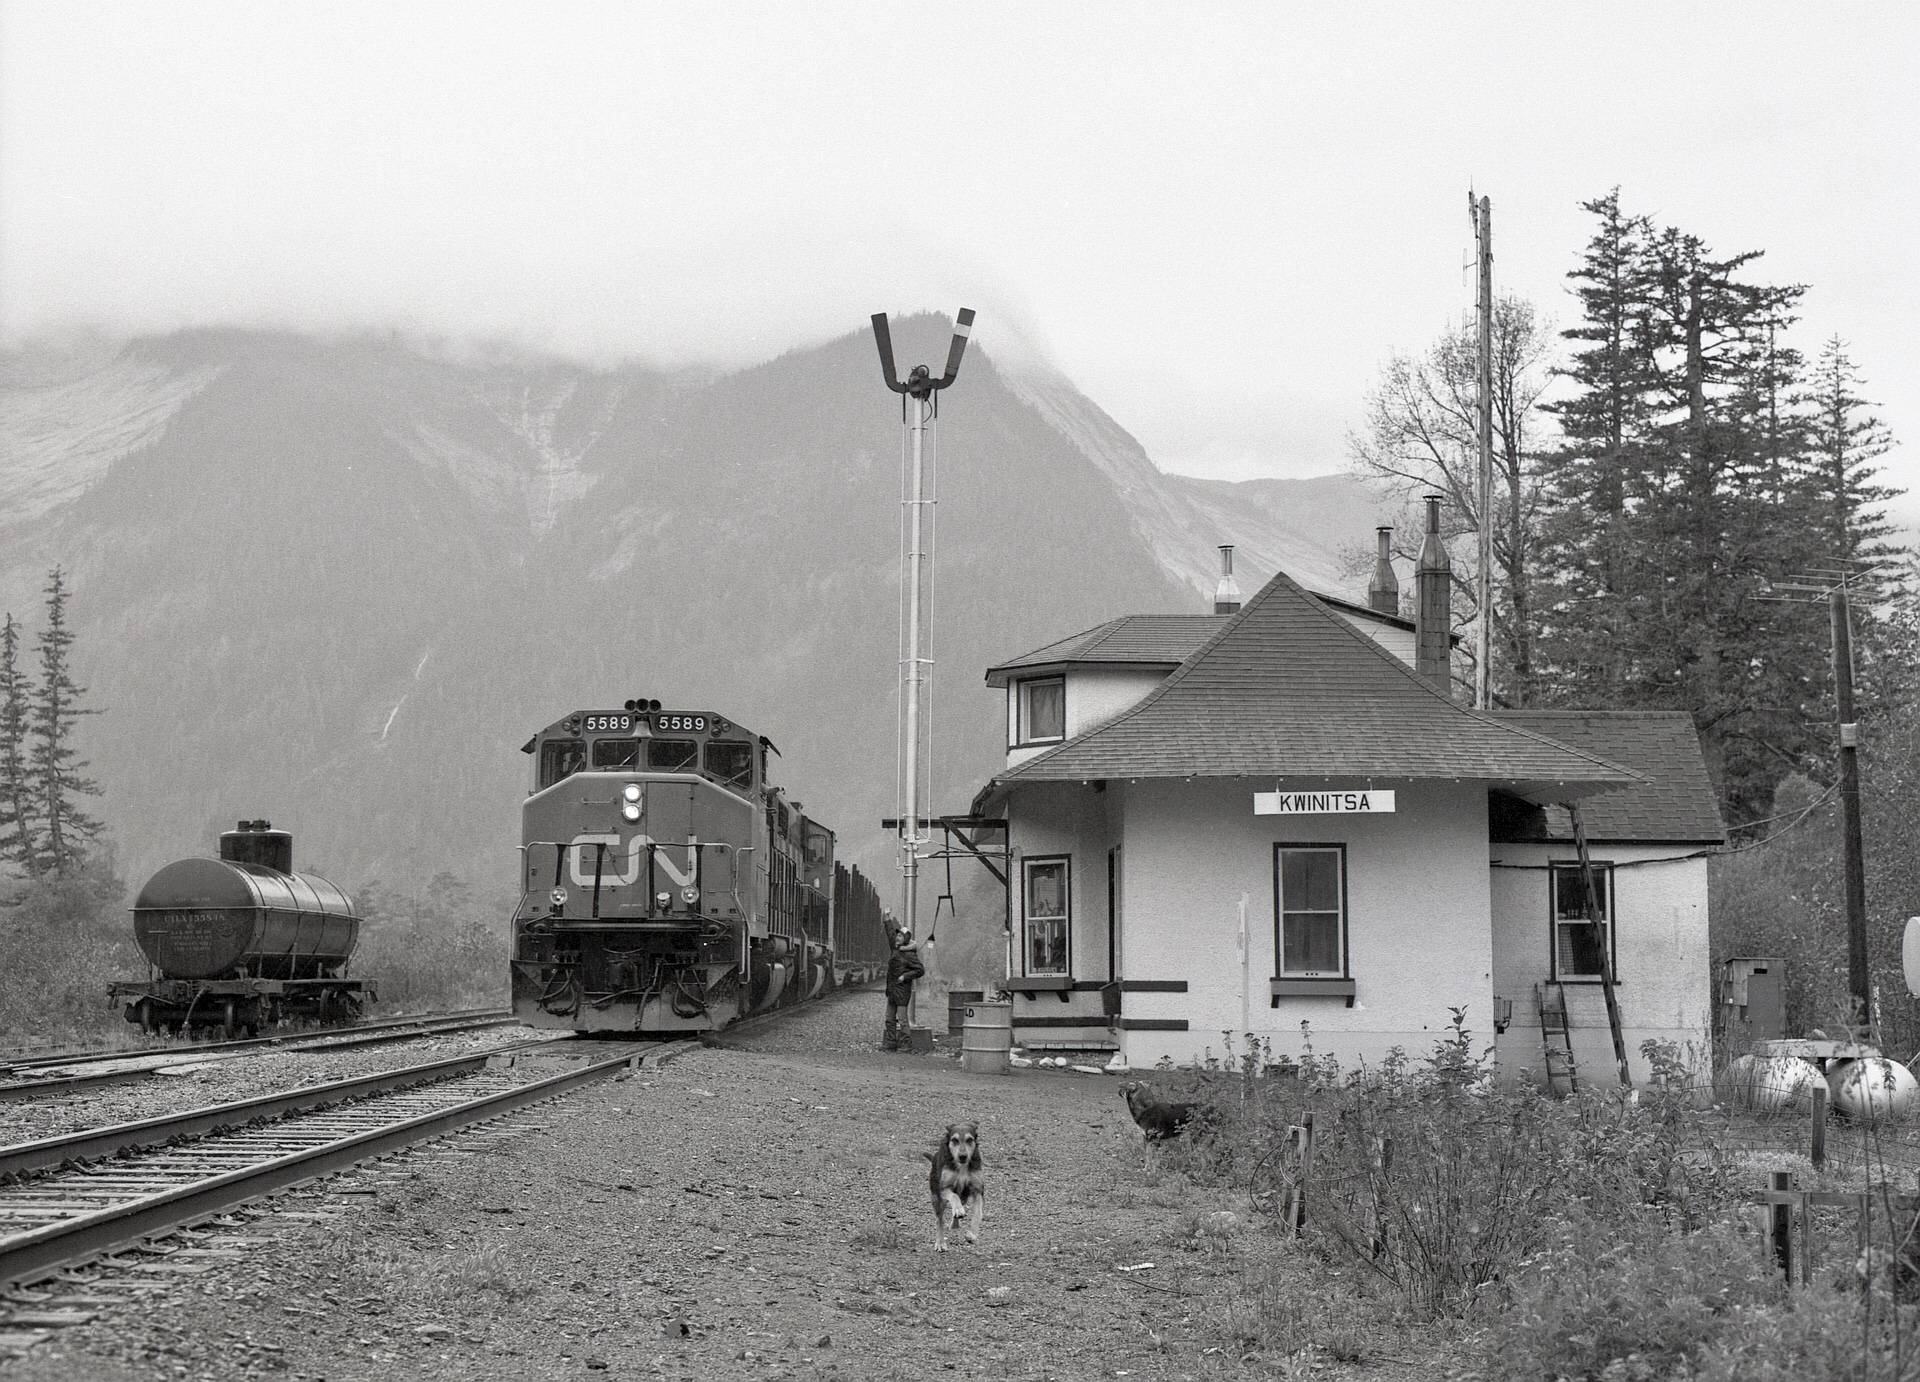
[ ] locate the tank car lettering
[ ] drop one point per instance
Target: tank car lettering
(673, 755)
(561, 758)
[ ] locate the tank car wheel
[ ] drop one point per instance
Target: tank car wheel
(229, 1021)
(144, 1013)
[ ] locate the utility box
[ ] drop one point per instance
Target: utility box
(1753, 999)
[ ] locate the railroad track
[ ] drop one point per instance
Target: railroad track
(26, 1062)
(50, 1077)
(82, 1195)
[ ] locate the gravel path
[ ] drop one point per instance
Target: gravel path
(241, 1075)
(753, 1210)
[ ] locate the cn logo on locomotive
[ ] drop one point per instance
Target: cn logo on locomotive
(582, 852)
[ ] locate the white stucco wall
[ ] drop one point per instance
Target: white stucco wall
(1419, 923)
(1094, 696)
(1663, 970)
(1062, 818)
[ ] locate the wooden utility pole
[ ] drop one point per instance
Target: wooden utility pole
(1481, 211)
(1858, 979)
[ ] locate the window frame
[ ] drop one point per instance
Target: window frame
(691, 765)
(1339, 851)
(1023, 735)
(1603, 870)
(550, 750)
(1027, 865)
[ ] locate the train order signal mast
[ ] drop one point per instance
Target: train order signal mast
(919, 409)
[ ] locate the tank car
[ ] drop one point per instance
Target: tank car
(667, 884)
(243, 941)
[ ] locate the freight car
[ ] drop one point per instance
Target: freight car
(242, 941)
(668, 886)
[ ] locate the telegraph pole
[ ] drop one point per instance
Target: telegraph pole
(1858, 979)
(1481, 212)
(1835, 584)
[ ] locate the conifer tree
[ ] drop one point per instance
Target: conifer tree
(1590, 478)
(1843, 442)
(16, 790)
(56, 766)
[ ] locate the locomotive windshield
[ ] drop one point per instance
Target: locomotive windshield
(731, 763)
(616, 753)
(561, 758)
(673, 755)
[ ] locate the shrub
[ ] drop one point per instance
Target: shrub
(438, 950)
(65, 939)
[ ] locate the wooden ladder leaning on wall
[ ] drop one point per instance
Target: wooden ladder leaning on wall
(1563, 1071)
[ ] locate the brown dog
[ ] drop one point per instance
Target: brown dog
(957, 1184)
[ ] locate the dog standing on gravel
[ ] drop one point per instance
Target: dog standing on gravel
(957, 1183)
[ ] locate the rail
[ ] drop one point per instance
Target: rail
(318, 1043)
(28, 1060)
(66, 1217)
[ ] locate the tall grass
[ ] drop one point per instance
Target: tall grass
(1589, 1238)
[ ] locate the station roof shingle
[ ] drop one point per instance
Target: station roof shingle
(1676, 804)
(1138, 640)
(1286, 688)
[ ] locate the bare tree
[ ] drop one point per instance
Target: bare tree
(1420, 437)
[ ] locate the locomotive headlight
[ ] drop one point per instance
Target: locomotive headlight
(630, 810)
(632, 793)
(558, 897)
(690, 896)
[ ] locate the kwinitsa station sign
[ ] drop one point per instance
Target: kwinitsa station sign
(1321, 803)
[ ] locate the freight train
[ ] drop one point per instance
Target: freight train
(668, 886)
(242, 941)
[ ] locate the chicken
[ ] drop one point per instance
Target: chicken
(1159, 1119)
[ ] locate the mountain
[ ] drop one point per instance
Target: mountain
(338, 582)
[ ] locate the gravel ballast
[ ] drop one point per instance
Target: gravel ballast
(754, 1209)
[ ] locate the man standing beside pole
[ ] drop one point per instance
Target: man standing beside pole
(903, 968)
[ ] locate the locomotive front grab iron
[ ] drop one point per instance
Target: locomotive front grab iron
(668, 887)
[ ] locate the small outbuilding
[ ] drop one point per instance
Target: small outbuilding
(1275, 822)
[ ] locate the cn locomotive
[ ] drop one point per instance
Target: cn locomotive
(668, 886)
(242, 941)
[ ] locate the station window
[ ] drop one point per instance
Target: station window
(1311, 909)
(673, 755)
(1043, 710)
(1048, 886)
(1576, 940)
(561, 758)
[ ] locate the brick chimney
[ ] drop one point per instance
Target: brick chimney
(1383, 591)
(1433, 615)
(1226, 595)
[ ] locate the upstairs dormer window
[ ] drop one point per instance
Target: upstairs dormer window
(1043, 710)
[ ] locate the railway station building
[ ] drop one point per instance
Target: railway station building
(1276, 821)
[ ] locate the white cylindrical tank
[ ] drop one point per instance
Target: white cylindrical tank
(1772, 1084)
(1873, 1088)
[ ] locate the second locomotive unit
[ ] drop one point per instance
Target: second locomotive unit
(667, 886)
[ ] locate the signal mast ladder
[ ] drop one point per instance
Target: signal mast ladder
(1563, 1071)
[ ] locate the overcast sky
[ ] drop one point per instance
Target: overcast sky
(1219, 220)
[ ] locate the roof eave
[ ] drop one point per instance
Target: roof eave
(1004, 674)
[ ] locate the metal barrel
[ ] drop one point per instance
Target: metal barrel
(987, 1038)
(958, 1001)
